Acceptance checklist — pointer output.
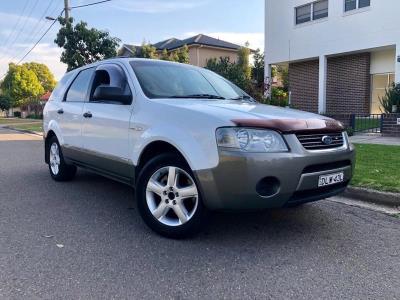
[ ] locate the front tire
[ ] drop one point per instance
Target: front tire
(59, 170)
(168, 197)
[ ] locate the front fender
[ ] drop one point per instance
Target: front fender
(199, 151)
(52, 125)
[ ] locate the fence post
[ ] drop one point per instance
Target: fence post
(353, 121)
(381, 127)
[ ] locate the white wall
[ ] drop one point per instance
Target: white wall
(383, 61)
(374, 27)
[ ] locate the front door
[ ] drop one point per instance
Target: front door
(105, 128)
(70, 112)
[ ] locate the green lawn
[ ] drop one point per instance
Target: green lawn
(5, 121)
(377, 167)
(362, 124)
(30, 127)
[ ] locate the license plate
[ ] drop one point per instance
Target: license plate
(330, 179)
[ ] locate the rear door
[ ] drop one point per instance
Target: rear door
(70, 112)
(105, 128)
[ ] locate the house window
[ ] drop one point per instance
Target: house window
(303, 14)
(364, 3)
(320, 10)
(355, 4)
(313, 11)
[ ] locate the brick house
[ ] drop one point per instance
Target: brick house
(341, 54)
(201, 48)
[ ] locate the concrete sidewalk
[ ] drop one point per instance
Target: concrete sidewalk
(374, 138)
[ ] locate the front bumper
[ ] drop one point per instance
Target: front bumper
(232, 184)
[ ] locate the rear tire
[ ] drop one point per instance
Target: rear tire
(168, 197)
(59, 170)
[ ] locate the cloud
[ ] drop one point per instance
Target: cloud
(256, 39)
(157, 6)
(45, 53)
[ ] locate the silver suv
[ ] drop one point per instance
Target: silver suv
(189, 141)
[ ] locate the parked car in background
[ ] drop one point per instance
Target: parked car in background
(189, 141)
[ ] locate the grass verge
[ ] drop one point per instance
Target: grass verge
(5, 121)
(377, 167)
(30, 127)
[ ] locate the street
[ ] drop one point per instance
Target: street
(84, 239)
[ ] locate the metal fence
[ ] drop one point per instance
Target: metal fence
(371, 123)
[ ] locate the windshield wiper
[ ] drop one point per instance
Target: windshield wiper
(242, 97)
(199, 96)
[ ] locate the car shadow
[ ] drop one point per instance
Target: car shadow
(272, 226)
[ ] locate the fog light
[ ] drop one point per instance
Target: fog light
(268, 186)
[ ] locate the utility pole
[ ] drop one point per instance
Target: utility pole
(66, 10)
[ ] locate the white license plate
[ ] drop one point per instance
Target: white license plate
(330, 179)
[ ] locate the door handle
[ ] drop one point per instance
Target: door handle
(88, 114)
(60, 111)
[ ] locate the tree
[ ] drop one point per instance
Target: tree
(22, 85)
(244, 61)
(44, 75)
(183, 55)
(258, 69)
(174, 56)
(84, 45)
(148, 51)
(165, 55)
(5, 102)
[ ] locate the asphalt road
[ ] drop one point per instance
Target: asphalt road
(84, 239)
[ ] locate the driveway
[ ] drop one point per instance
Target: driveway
(84, 239)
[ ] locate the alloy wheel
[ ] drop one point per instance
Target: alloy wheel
(54, 158)
(172, 196)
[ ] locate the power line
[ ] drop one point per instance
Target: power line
(31, 36)
(51, 25)
(15, 27)
(24, 24)
(90, 4)
(33, 47)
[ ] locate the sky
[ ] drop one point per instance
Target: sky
(22, 22)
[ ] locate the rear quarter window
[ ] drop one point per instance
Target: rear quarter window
(59, 90)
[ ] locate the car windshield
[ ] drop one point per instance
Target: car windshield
(166, 80)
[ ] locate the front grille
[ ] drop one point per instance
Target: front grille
(315, 141)
(317, 194)
(327, 166)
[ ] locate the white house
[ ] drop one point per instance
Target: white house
(341, 54)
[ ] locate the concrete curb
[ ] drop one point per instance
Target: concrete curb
(23, 130)
(372, 196)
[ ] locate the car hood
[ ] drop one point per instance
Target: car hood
(253, 114)
(234, 109)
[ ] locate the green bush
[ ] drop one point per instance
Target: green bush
(33, 116)
(350, 131)
(391, 97)
(279, 97)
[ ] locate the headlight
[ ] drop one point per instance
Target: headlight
(250, 140)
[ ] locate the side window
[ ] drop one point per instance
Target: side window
(59, 90)
(113, 76)
(78, 90)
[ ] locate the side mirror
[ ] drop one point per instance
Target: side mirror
(111, 93)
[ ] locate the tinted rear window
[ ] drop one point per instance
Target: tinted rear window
(79, 88)
(58, 92)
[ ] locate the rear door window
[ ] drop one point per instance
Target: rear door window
(78, 90)
(58, 92)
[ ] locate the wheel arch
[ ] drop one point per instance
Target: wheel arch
(154, 149)
(49, 135)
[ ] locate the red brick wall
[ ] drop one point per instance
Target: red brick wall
(348, 84)
(389, 125)
(303, 85)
